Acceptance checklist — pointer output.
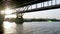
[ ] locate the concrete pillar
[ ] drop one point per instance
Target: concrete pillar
(19, 18)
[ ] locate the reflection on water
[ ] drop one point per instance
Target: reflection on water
(9, 27)
(19, 28)
(32, 28)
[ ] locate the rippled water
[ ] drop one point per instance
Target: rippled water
(32, 28)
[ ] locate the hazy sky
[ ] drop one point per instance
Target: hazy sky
(55, 13)
(44, 14)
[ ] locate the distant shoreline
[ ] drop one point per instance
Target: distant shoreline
(34, 20)
(40, 20)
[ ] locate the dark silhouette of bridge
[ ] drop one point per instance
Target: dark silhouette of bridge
(24, 6)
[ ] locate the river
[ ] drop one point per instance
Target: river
(31, 28)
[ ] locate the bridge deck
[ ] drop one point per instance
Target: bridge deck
(21, 3)
(42, 8)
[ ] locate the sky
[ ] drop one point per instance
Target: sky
(54, 13)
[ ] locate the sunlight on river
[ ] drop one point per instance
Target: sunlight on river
(9, 27)
(31, 28)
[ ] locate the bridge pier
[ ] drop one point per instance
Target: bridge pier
(19, 18)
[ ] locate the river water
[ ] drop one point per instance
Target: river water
(31, 28)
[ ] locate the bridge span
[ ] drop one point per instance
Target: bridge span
(47, 5)
(26, 6)
(34, 7)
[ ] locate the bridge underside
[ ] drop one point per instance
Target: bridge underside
(41, 9)
(21, 3)
(18, 3)
(25, 7)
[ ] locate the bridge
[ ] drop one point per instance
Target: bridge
(24, 6)
(29, 8)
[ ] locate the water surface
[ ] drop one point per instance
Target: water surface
(32, 28)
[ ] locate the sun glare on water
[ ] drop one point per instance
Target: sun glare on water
(9, 27)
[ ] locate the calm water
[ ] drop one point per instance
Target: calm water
(32, 28)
